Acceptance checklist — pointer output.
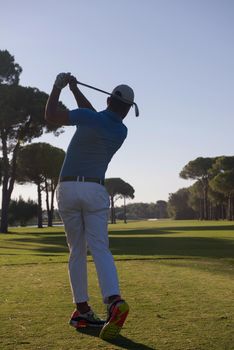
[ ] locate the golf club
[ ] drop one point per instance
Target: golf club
(109, 93)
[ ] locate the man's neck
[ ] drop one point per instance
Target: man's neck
(111, 110)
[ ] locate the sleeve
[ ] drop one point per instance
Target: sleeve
(82, 116)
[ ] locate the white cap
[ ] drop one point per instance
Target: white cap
(124, 93)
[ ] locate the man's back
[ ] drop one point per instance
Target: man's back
(97, 138)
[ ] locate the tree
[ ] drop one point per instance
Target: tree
(1, 171)
(40, 163)
(127, 191)
(178, 205)
(218, 203)
(9, 70)
(161, 209)
(52, 166)
(21, 119)
(199, 169)
(30, 163)
(223, 181)
(117, 188)
(195, 200)
(138, 211)
(21, 211)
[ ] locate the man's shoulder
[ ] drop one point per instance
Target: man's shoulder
(84, 111)
(82, 116)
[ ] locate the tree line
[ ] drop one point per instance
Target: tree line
(142, 211)
(35, 165)
(211, 197)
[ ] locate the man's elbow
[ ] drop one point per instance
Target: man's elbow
(58, 117)
(48, 116)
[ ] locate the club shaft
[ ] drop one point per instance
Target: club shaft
(107, 93)
(94, 88)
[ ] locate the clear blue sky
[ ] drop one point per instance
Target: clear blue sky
(178, 55)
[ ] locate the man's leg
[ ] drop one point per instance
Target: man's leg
(77, 265)
(71, 214)
(96, 214)
(72, 218)
(98, 244)
(96, 230)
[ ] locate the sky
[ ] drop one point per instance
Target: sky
(177, 55)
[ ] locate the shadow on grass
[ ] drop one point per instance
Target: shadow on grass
(136, 231)
(171, 230)
(173, 246)
(126, 343)
(141, 242)
(48, 242)
(123, 342)
(207, 247)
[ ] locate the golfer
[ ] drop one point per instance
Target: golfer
(83, 201)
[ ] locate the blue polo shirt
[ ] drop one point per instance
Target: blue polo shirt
(98, 136)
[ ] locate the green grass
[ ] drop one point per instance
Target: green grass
(177, 277)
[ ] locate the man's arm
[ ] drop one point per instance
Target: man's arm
(52, 114)
(81, 100)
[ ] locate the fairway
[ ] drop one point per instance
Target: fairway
(177, 277)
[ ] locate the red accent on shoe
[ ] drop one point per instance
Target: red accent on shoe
(81, 324)
(117, 317)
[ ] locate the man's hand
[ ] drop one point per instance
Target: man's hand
(81, 100)
(52, 113)
(62, 80)
(72, 83)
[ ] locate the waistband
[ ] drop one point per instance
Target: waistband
(82, 179)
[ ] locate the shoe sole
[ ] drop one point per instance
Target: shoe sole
(84, 324)
(113, 327)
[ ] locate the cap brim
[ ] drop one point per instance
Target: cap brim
(136, 109)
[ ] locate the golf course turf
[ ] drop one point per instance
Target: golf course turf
(177, 277)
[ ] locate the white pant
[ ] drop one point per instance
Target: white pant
(84, 209)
